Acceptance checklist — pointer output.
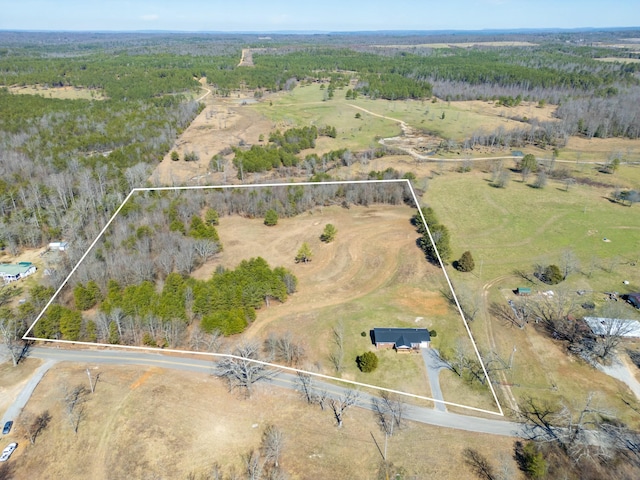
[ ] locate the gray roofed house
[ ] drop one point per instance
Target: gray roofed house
(402, 339)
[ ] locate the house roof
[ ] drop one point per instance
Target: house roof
(616, 326)
(13, 269)
(401, 337)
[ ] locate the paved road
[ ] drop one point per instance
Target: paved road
(282, 379)
(434, 365)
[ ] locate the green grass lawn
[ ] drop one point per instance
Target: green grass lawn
(513, 228)
(305, 106)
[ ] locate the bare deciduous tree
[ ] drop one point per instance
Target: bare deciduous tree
(35, 425)
(242, 371)
(11, 331)
(205, 342)
(569, 262)
(285, 349)
(272, 445)
(479, 464)
(390, 412)
(74, 399)
(253, 464)
(339, 405)
(337, 356)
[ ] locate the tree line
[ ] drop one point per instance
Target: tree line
(143, 313)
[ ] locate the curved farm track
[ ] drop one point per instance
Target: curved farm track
(371, 251)
(504, 384)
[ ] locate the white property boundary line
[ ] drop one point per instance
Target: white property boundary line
(281, 367)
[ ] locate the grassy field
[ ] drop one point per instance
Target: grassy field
(516, 227)
(512, 228)
(305, 106)
(153, 423)
(372, 275)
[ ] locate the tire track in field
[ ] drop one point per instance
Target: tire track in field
(504, 384)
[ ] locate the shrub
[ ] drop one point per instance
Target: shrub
(191, 157)
(367, 362)
(466, 263)
(271, 218)
(552, 275)
(329, 233)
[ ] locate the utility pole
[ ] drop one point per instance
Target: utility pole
(91, 384)
(511, 357)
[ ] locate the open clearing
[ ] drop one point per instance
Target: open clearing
(224, 122)
(304, 106)
(240, 120)
(63, 93)
(13, 379)
(140, 420)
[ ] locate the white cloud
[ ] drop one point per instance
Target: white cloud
(150, 17)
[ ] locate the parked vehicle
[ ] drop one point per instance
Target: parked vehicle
(7, 427)
(6, 453)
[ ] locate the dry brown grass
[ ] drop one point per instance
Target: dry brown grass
(223, 123)
(600, 149)
(12, 379)
(531, 110)
(175, 423)
(63, 93)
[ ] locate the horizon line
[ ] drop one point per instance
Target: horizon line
(334, 32)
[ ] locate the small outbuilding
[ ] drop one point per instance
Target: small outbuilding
(60, 246)
(402, 339)
(523, 291)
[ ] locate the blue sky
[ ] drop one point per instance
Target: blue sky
(324, 15)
